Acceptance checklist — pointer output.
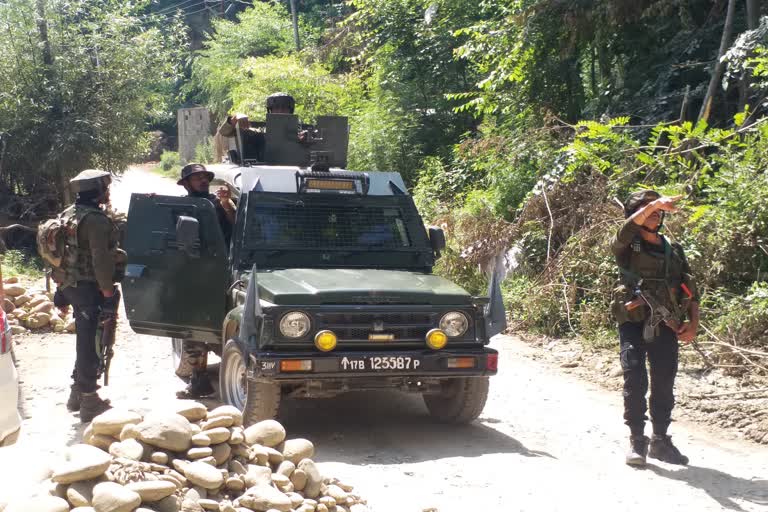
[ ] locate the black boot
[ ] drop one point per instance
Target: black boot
(73, 402)
(663, 450)
(638, 450)
(91, 405)
(199, 386)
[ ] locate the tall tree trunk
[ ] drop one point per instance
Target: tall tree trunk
(745, 84)
(55, 99)
(295, 17)
(717, 73)
(753, 14)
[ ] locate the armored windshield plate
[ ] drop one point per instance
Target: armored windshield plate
(272, 178)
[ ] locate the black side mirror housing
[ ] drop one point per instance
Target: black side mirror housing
(188, 236)
(437, 240)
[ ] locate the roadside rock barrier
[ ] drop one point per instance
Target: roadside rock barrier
(188, 459)
(31, 310)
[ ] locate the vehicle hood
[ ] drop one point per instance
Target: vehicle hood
(357, 286)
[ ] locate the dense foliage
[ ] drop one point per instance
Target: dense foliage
(517, 123)
(79, 83)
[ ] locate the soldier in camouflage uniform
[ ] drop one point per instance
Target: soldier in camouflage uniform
(656, 305)
(88, 283)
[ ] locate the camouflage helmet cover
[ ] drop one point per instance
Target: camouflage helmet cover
(90, 180)
(636, 199)
(281, 98)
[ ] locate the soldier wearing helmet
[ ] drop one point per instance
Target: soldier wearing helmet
(87, 282)
(195, 178)
(254, 141)
(656, 306)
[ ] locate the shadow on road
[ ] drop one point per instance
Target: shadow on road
(388, 428)
(721, 487)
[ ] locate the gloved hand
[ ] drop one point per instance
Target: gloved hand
(61, 302)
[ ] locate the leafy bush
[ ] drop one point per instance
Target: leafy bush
(170, 163)
(19, 263)
(205, 152)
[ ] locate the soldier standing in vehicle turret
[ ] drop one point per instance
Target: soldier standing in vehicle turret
(196, 179)
(253, 141)
(656, 304)
(87, 282)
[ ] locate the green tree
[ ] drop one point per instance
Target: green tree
(80, 81)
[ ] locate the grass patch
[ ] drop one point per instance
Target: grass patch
(21, 264)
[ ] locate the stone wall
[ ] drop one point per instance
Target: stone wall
(194, 127)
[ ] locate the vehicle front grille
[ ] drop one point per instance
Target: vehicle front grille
(406, 326)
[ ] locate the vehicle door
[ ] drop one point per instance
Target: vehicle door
(176, 279)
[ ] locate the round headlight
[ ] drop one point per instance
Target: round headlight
(294, 324)
(454, 324)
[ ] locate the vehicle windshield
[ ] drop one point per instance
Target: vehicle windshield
(333, 228)
(325, 226)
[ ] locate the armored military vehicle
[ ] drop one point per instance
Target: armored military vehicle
(327, 285)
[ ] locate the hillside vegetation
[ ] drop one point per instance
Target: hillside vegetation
(516, 123)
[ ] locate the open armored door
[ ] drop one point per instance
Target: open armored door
(176, 280)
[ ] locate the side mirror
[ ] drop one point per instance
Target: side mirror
(188, 236)
(437, 240)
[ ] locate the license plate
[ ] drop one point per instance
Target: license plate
(380, 363)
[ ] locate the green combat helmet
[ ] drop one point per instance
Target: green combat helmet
(90, 180)
(637, 199)
(281, 100)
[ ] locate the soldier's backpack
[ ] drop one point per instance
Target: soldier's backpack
(57, 244)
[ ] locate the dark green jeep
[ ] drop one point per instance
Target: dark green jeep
(327, 286)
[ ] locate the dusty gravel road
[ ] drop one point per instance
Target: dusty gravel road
(546, 441)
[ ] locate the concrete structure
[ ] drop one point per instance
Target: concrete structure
(195, 127)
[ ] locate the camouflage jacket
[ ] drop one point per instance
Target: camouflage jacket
(95, 255)
(660, 270)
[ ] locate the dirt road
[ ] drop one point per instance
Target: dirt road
(545, 442)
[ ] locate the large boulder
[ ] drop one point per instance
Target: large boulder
(269, 433)
(112, 497)
(167, 431)
(204, 475)
(265, 497)
(81, 462)
(296, 450)
(151, 491)
(111, 422)
(39, 504)
(190, 409)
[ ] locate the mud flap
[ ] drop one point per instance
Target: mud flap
(250, 323)
(495, 314)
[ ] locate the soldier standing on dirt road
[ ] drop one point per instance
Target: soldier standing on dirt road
(654, 274)
(87, 283)
(196, 179)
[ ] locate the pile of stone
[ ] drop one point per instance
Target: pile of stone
(30, 309)
(190, 460)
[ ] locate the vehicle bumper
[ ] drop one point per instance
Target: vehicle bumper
(344, 365)
(10, 421)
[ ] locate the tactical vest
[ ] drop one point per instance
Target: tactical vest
(76, 263)
(659, 273)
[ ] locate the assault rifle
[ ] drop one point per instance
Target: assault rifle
(105, 334)
(659, 312)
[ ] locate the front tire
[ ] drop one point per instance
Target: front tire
(258, 400)
(461, 400)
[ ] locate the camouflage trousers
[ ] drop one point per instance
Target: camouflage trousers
(195, 354)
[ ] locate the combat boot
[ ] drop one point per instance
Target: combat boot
(73, 402)
(638, 451)
(663, 450)
(91, 405)
(199, 386)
